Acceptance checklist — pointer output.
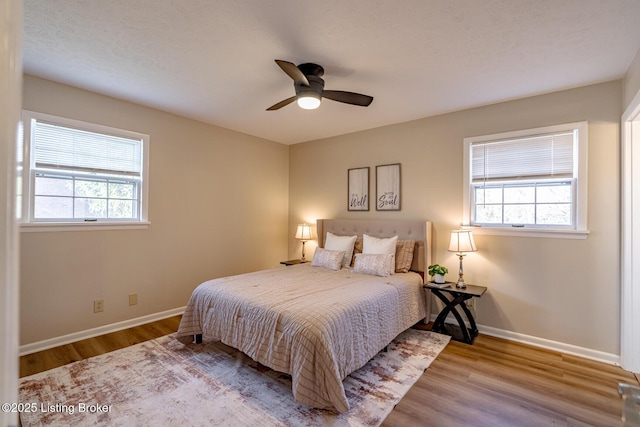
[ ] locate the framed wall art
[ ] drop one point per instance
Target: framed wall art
(358, 189)
(388, 187)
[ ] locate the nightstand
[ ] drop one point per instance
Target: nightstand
(293, 262)
(452, 305)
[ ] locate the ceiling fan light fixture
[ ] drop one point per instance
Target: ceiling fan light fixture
(309, 87)
(308, 101)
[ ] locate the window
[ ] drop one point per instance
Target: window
(533, 179)
(81, 173)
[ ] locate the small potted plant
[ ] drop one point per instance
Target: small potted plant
(437, 272)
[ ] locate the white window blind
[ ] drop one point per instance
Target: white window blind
(67, 148)
(536, 157)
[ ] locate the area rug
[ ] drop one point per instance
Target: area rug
(165, 383)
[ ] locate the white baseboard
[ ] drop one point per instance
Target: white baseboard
(101, 330)
(587, 353)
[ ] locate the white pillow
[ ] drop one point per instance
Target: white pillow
(373, 245)
(328, 259)
(376, 264)
(341, 243)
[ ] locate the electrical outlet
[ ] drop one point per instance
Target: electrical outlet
(133, 299)
(471, 304)
(98, 306)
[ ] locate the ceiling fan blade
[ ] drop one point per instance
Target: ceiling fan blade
(293, 72)
(281, 104)
(348, 97)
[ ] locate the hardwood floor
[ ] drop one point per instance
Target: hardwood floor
(491, 383)
(496, 383)
(58, 356)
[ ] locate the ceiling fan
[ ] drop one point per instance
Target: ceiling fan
(309, 86)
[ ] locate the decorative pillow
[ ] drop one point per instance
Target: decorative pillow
(341, 243)
(328, 259)
(404, 255)
(376, 264)
(373, 245)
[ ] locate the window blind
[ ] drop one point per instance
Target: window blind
(540, 156)
(67, 148)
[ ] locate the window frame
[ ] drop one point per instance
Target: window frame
(576, 231)
(30, 223)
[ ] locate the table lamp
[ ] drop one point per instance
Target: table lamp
(303, 233)
(461, 241)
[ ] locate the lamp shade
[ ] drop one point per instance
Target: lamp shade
(462, 241)
(303, 232)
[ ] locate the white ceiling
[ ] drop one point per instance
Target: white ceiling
(212, 60)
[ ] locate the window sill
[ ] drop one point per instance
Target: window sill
(528, 232)
(82, 226)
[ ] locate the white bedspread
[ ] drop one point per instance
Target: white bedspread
(315, 324)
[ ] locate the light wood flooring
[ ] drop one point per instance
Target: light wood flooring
(493, 383)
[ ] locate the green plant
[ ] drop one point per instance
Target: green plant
(437, 269)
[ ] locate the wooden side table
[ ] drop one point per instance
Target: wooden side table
(452, 305)
(293, 262)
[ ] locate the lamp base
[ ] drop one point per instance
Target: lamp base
(460, 284)
(303, 259)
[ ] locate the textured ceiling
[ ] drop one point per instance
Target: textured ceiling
(212, 60)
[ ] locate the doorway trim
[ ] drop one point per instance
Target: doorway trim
(10, 102)
(630, 238)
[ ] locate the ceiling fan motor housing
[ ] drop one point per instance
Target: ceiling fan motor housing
(315, 88)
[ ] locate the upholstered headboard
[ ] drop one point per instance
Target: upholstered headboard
(420, 231)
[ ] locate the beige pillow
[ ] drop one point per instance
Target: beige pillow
(341, 243)
(357, 249)
(404, 255)
(376, 264)
(328, 259)
(374, 245)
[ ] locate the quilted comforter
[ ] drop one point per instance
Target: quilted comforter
(312, 323)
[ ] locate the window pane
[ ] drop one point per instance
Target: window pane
(519, 194)
(554, 214)
(90, 208)
(489, 214)
(122, 208)
(488, 195)
(53, 207)
(91, 188)
(53, 186)
(121, 190)
(519, 214)
(554, 193)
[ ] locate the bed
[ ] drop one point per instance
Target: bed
(315, 323)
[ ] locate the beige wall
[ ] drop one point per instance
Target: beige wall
(218, 205)
(555, 289)
(631, 82)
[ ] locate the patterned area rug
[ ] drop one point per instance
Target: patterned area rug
(165, 383)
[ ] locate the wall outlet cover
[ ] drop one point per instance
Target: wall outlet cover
(98, 306)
